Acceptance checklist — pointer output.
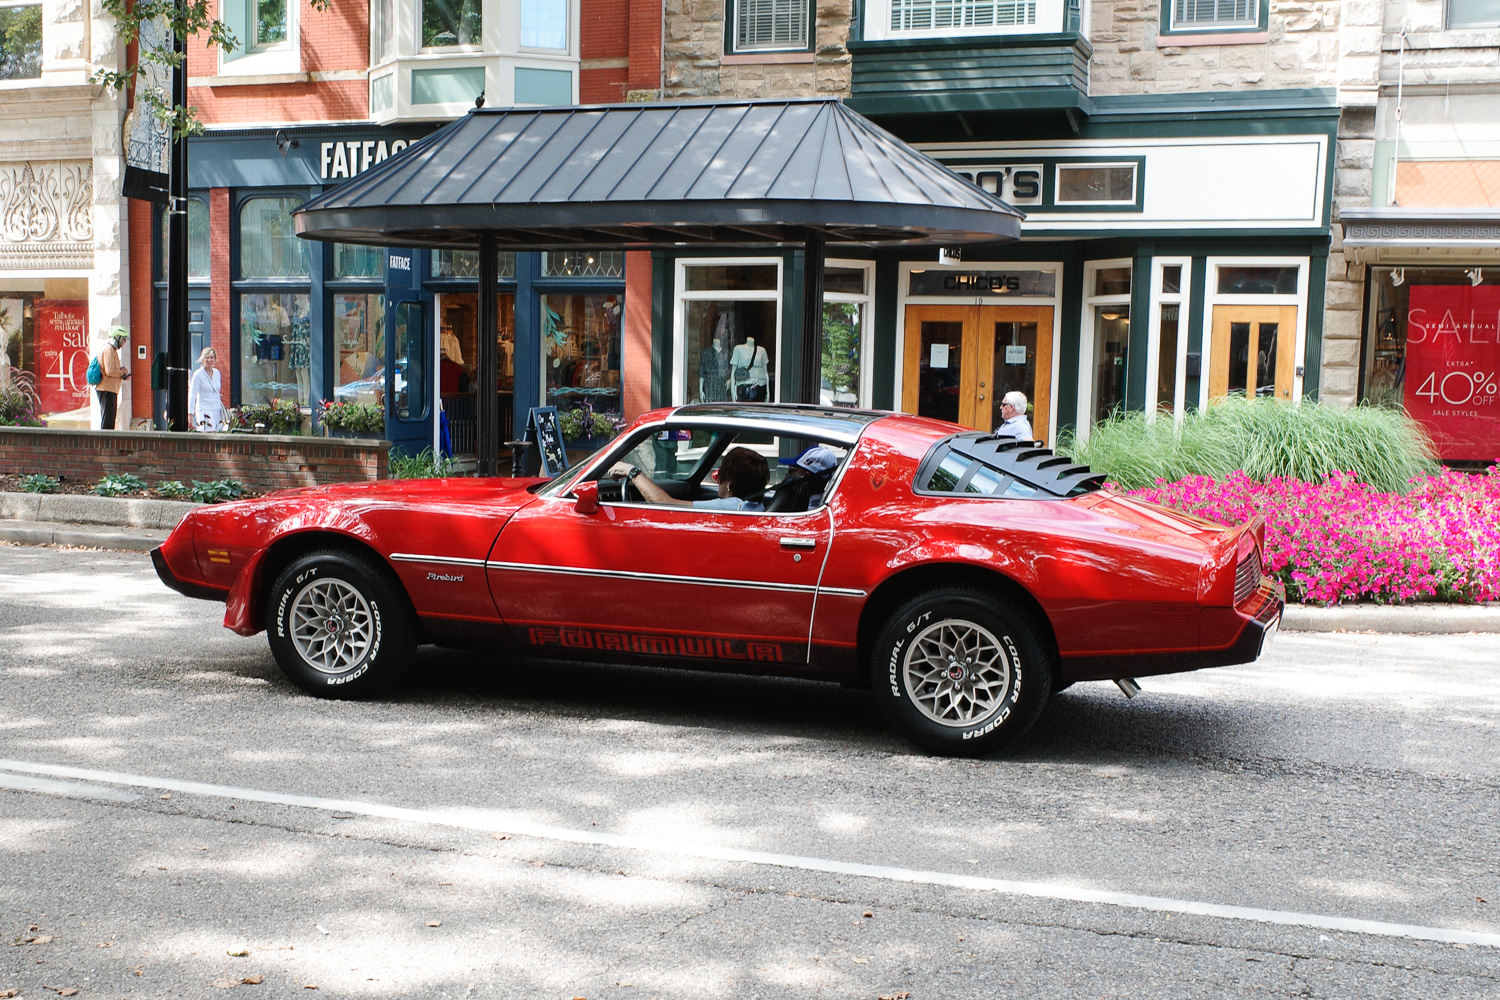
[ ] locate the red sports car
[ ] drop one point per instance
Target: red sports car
(965, 577)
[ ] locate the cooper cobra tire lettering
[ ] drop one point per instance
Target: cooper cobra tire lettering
(360, 601)
(937, 640)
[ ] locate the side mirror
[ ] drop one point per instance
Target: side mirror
(587, 495)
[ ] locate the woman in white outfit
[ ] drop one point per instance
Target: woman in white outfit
(204, 401)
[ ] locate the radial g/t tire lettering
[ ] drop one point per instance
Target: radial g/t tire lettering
(339, 626)
(960, 673)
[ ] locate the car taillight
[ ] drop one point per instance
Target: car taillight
(1247, 575)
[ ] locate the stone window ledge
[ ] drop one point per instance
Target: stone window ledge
(1215, 38)
(767, 58)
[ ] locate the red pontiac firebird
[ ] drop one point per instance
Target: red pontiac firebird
(965, 577)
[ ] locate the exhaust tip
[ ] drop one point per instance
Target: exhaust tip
(1128, 686)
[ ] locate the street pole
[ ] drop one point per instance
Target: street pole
(178, 343)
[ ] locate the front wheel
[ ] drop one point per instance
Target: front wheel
(959, 673)
(339, 626)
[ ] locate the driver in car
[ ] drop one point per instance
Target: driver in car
(743, 475)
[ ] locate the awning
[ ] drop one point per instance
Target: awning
(1409, 235)
(639, 176)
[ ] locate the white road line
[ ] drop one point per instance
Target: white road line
(493, 822)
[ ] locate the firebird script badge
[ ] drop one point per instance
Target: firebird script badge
(446, 577)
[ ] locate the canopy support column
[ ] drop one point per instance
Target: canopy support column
(487, 359)
(810, 388)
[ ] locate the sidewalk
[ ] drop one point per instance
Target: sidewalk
(141, 525)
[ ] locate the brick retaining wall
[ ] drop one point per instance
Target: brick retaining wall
(262, 462)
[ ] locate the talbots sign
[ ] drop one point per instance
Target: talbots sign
(1453, 368)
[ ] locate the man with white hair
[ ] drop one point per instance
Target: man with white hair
(1013, 415)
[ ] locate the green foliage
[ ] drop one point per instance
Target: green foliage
(1265, 438)
(841, 348)
(172, 489)
(360, 418)
(582, 422)
(279, 416)
(38, 483)
(20, 42)
(216, 490)
(118, 484)
(423, 465)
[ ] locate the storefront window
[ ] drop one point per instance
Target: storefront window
(581, 359)
(359, 332)
(458, 352)
(410, 383)
(1107, 313)
(450, 22)
(730, 324)
(275, 347)
(584, 264)
(1166, 357)
(1432, 348)
(352, 261)
(465, 264)
(269, 247)
(846, 311)
(197, 238)
(1258, 280)
(20, 41)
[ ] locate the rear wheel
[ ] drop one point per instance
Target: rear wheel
(960, 673)
(339, 626)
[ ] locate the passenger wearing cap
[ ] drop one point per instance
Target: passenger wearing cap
(816, 462)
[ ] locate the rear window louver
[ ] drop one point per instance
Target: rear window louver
(980, 464)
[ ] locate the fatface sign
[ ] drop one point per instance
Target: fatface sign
(338, 160)
(1453, 368)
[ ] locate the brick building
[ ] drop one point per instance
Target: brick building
(314, 99)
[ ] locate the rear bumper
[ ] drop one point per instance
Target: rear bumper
(184, 587)
(1262, 619)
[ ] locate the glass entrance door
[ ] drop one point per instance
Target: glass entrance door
(1254, 351)
(962, 360)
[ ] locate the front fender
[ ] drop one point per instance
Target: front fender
(243, 611)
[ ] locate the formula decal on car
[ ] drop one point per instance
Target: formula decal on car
(699, 646)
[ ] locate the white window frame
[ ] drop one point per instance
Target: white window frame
(1175, 28)
(679, 315)
(438, 51)
(1212, 297)
(1088, 322)
(879, 23)
(1450, 26)
(809, 26)
(284, 57)
(1183, 300)
(567, 44)
(1135, 182)
(866, 322)
(1053, 301)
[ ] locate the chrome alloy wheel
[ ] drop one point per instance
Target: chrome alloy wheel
(957, 673)
(331, 626)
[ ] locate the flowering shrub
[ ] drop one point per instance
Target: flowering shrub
(1340, 540)
(359, 418)
(18, 400)
(280, 416)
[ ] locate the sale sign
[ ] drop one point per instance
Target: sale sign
(1453, 368)
(62, 353)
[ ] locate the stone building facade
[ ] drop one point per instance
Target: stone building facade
(63, 227)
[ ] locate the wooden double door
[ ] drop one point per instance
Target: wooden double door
(962, 360)
(1254, 351)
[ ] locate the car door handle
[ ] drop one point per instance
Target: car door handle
(793, 542)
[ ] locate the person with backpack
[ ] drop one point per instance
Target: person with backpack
(111, 375)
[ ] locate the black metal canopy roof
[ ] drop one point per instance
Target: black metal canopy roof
(746, 173)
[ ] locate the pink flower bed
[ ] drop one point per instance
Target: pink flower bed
(1339, 540)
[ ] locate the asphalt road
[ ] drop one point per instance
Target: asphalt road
(529, 829)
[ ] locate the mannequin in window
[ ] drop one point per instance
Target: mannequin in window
(713, 369)
(748, 372)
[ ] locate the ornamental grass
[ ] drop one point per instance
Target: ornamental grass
(1264, 438)
(1342, 540)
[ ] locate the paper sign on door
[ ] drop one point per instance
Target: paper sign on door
(939, 356)
(1015, 354)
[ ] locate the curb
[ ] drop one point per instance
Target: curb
(87, 536)
(121, 512)
(1410, 619)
